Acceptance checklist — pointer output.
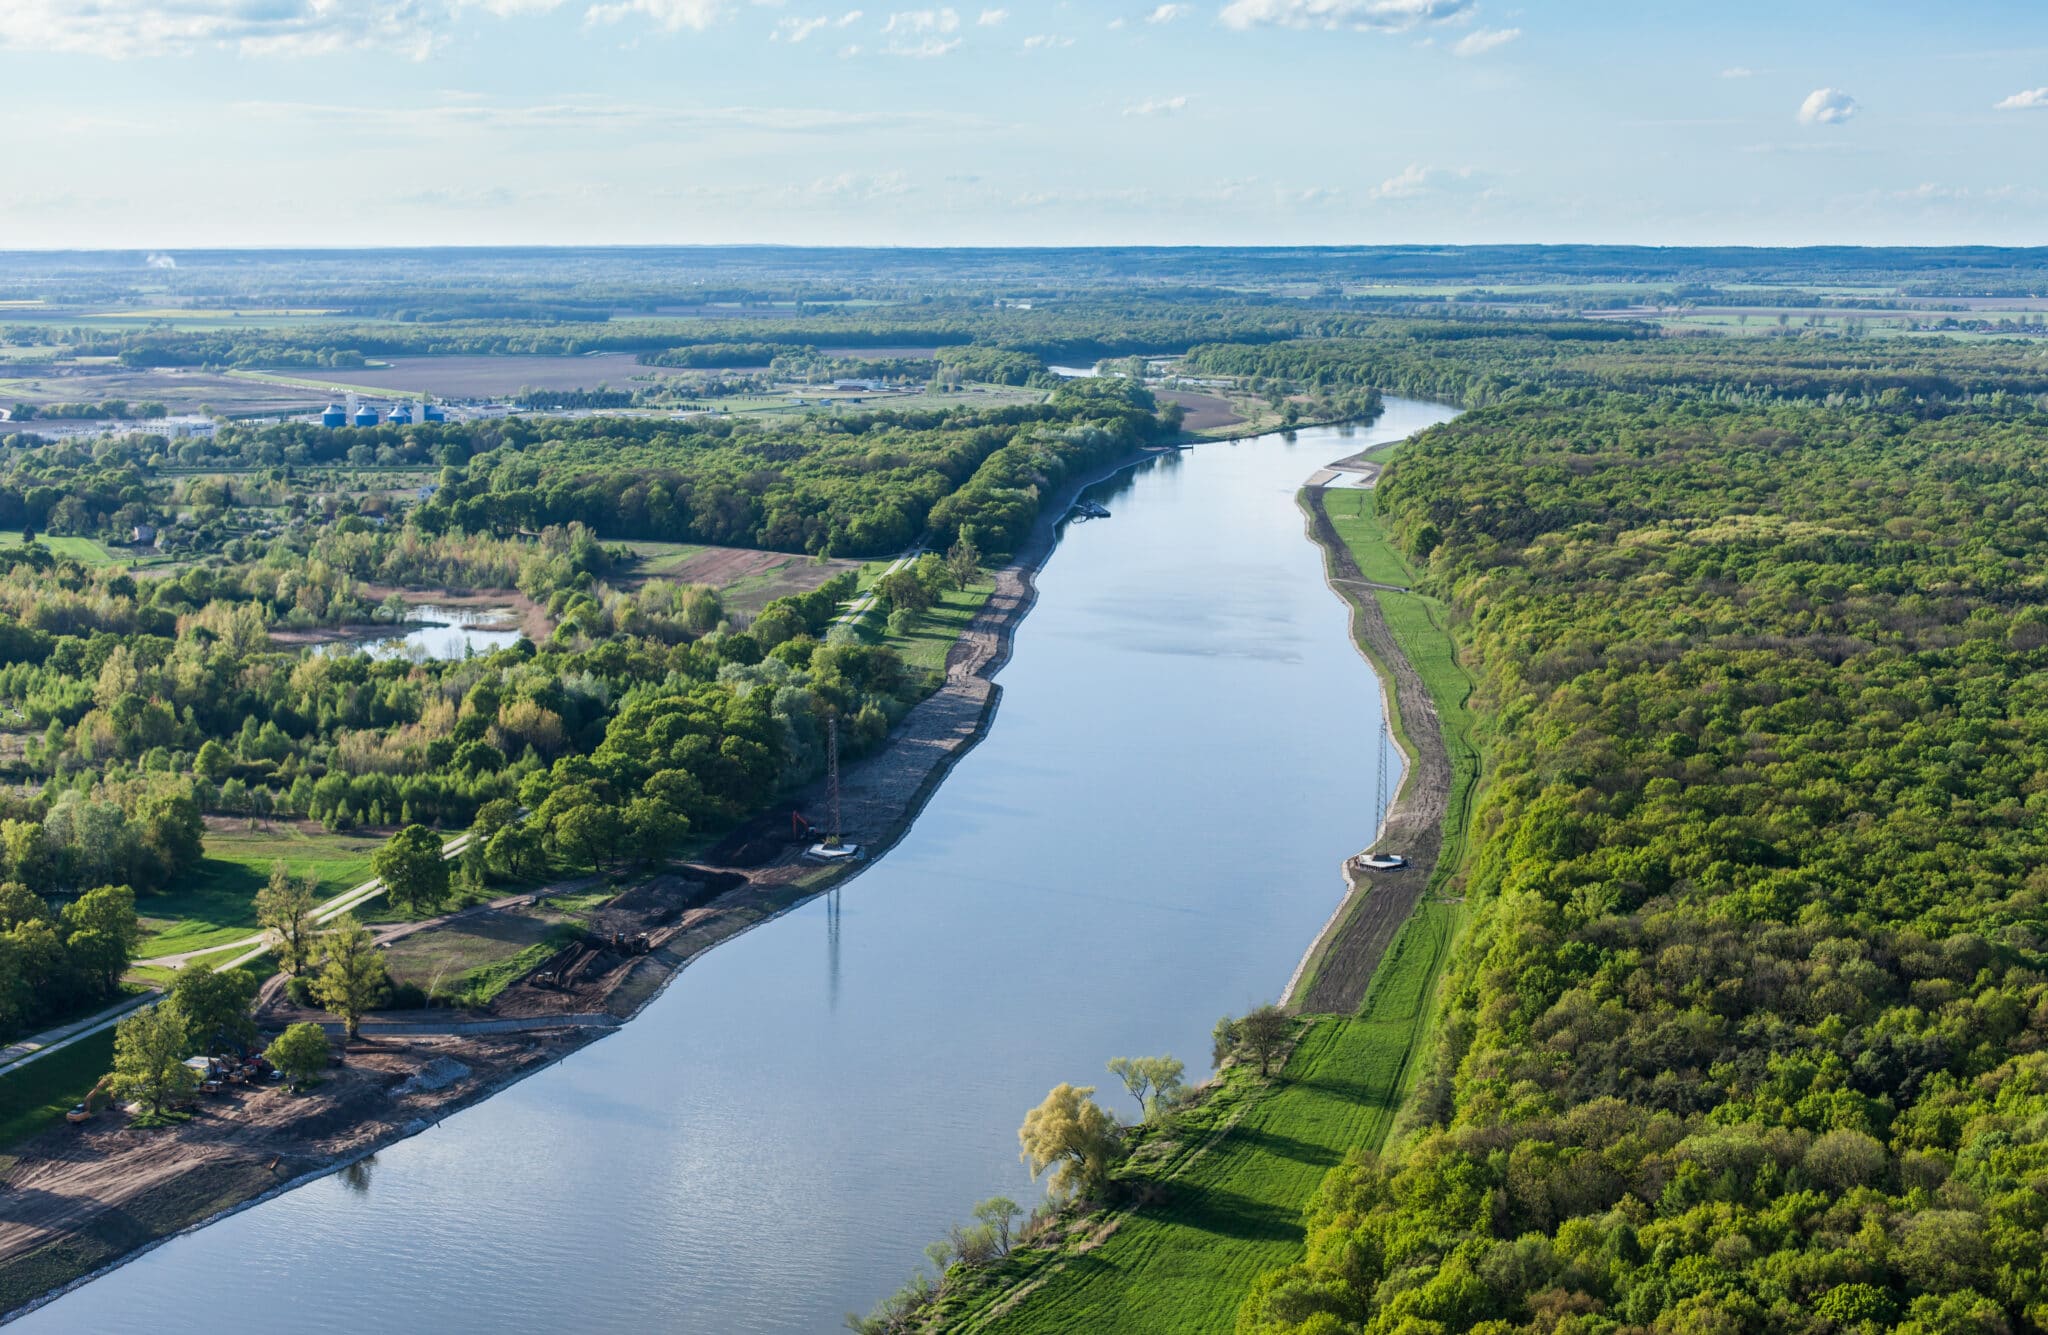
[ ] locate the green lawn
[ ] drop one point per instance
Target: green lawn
(1353, 513)
(926, 646)
(216, 903)
(83, 550)
(36, 1097)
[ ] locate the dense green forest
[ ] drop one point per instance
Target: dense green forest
(846, 485)
(1477, 362)
(1750, 1035)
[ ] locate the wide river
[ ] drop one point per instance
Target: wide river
(1147, 839)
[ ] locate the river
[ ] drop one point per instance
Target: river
(1148, 838)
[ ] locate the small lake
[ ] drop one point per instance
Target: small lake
(433, 631)
(1148, 839)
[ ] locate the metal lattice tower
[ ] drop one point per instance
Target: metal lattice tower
(1379, 812)
(832, 777)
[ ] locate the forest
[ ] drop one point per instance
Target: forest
(1750, 1033)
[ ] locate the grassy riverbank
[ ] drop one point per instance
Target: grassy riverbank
(1230, 1210)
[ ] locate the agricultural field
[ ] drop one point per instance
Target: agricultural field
(747, 580)
(181, 390)
(484, 376)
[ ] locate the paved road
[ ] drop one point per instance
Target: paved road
(867, 600)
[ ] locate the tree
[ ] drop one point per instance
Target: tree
(300, 1052)
(1222, 1041)
(215, 1004)
(285, 906)
(102, 933)
(1073, 1137)
(214, 761)
(149, 1056)
(1149, 1079)
(903, 590)
(964, 559)
(410, 864)
(1263, 1033)
(354, 976)
(652, 831)
(997, 1212)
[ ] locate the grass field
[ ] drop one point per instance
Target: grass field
(82, 550)
(926, 646)
(36, 1097)
(216, 904)
(1353, 513)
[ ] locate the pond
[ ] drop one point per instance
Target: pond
(1148, 839)
(434, 631)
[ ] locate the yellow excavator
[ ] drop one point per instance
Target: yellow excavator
(99, 1097)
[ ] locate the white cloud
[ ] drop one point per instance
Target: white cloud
(673, 15)
(916, 22)
(1417, 180)
(1046, 41)
(797, 29)
(991, 18)
(1481, 40)
(125, 28)
(2034, 99)
(1169, 13)
(1738, 72)
(1827, 106)
(921, 33)
(1376, 15)
(1157, 106)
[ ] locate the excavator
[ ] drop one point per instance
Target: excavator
(100, 1096)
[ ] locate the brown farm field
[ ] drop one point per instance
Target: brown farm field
(1205, 412)
(476, 377)
(746, 579)
(179, 390)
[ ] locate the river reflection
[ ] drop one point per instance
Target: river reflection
(1148, 839)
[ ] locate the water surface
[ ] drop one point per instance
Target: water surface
(1148, 839)
(433, 631)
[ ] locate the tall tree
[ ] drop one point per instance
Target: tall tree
(1072, 1136)
(1263, 1034)
(414, 873)
(149, 1056)
(215, 1004)
(285, 906)
(354, 976)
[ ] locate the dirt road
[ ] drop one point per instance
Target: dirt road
(1340, 965)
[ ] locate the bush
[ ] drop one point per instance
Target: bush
(404, 997)
(300, 990)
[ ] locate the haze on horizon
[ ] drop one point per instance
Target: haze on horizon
(168, 123)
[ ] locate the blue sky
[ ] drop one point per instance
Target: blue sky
(170, 123)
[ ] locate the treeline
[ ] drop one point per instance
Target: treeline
(1752, 1031)
(1477, 362)
(1081, 329)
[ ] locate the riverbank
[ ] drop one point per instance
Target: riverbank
(1214, 1220)
(79, 1204)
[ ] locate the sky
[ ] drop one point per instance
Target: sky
(166, 123)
